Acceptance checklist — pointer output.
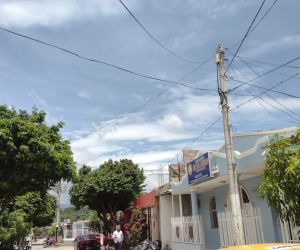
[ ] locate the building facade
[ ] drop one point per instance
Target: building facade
(201, 209)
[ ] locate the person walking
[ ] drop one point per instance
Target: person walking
(118, 238)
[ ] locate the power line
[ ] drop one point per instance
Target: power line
(245, 36)
(267, 90)
(263, 62)
(258, 22)
(266, 73)
(286, 108)
(154, 38)
(268, 102)
(257, 74)
(105, 63)
(261, 87)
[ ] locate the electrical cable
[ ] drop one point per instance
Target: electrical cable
(245, 36)
(258, 22)
(267, 90)
(235, 69)
(260, 87)
(286, 108)
(104, 63)
(153, 37)
(263, 62)
(266, 73)
(257, 74)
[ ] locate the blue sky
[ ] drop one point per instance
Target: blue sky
(88, 96)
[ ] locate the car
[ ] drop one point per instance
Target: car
(267, 246)
(86, 242)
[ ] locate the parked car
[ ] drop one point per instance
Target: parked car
(268, 246)
(86, 242)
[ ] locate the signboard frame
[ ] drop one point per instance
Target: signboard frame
(199, 169)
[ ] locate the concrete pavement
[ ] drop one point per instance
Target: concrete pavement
(61, 247)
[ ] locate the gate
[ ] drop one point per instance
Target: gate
(252, 225)
(294, 236)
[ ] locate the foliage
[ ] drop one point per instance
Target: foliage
(52, 229)
(12, 227)
(108, 189)
(39, 208)
(33, 208)
(96, 224)
(38, 231)
(281, 178)
(74, 214)
(33, 156)
(136, 228)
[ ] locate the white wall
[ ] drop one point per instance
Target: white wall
(165, 203)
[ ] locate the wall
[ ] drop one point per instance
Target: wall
(165, 212)
(185, 246)
(145, 200)
(212, 235)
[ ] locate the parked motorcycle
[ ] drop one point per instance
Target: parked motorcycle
(49, 242)
(27, 245)
(148, 245)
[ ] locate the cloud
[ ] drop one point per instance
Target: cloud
(20, 13)
(84, 94)
(36, 98)
(286, 42)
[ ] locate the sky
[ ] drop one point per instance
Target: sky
(111, 114)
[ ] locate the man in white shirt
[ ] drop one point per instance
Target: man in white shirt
(118, 238)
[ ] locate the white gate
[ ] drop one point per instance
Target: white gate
(286, 229)
(251, 223)
(188, 229)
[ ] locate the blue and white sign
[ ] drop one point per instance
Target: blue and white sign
(198, 169)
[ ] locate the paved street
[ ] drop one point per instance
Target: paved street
(40, 247)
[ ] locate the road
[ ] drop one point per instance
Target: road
(64, 247)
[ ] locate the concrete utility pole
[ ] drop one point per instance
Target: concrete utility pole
(58, 189)
(234, 191)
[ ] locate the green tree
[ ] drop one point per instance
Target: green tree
(281, 178)
(39, 208)
(108, 189)
(33, 155)
(74, 214)
(12, 228)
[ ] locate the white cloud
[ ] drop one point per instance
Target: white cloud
(39, 101)
(84, 94)
(48, 13)
(286, 42)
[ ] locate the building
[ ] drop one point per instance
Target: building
(150, 203)
(201, 214)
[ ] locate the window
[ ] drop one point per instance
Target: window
(245, 198)
(213, 212)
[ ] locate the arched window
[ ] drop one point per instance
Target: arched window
(244, 196)
(213, 212)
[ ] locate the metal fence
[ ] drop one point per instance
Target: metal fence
(188, 229)
(251, 223)
(290, 231)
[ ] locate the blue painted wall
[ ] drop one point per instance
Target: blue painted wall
(269, 221)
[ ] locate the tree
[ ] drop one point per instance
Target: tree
(33, 155)
(109, 189)
(73, 214)
(281, 178)
(39, 208)
(136, 228)
(12, 228)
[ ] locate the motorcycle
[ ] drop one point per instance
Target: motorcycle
(49, 242)
(27, 245)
